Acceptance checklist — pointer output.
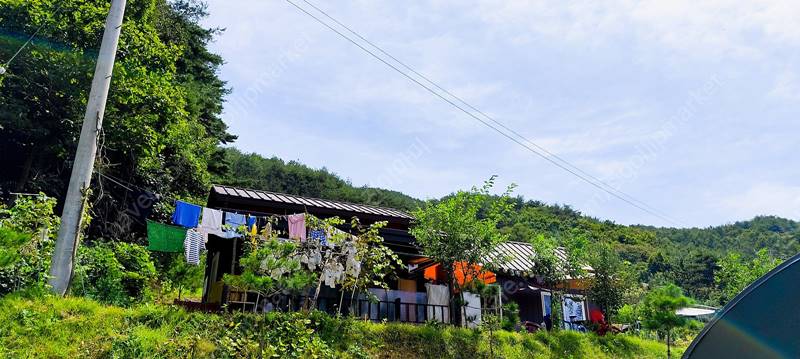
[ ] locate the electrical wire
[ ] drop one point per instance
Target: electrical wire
(485, 123)
(470, 106)
(8, 63)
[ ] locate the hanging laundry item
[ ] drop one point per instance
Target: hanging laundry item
(266, 232)
(297, 226)
(252, 228)
(311, 259)
(318, 235)
(165, 238)
(186, 214)
(352, 265)
(234, 221)
(211, 223)
(192, 245)
(332, 273)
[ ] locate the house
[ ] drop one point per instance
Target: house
(418, 293)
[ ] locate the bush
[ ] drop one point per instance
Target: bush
(114, 273)
(81, 328)
(25, 243)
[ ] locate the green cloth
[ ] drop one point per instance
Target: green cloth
(164, 238)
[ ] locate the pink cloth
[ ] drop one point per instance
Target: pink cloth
(297, 226)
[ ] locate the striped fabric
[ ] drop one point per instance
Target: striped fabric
(192, 245)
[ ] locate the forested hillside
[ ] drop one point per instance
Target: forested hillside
(689, 257)
(274, 174)
(163, 133)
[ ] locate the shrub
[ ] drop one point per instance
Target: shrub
(25, 243)
(114, 273)
(81, 328)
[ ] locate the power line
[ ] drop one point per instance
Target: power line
(452, 103)
(8, 63)
(470, 106)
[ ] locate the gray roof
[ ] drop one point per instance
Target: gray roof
(517, 258)
(308, 202)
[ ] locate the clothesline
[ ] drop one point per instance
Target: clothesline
(128, 185)
(122, 183)
(28, 194)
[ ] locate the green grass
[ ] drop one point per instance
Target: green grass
(81, 328)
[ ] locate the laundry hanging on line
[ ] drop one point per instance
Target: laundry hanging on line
(211, 223)
(297, 226)
(186, 214)
(318, 235)
(233, 221)
(192, 246)
(165, 238)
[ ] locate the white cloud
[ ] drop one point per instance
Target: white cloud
(693, 27)
(765, 199)
(787, 87)
(589, 80)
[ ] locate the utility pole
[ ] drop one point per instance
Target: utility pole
(67, 242)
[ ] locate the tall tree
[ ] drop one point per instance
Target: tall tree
(162, 124)
(610, 279)
(461, 232)
(736, 273)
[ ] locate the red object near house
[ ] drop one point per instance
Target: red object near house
(463, 273)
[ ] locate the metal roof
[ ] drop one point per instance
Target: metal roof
(308, 201)
(517, 258)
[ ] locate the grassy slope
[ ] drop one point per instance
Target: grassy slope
(80, 328)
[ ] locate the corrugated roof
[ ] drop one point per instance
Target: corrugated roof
(307, 201)
(517, 257)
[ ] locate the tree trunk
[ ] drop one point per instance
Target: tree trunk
(668, 340)
(25, 171)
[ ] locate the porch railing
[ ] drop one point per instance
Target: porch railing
(397, 311)
(392, 311)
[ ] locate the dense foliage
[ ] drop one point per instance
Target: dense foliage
(114, 273)
(26, 243)
(162, 126)
(736, 273)
(460, 232)
(81, 328)
(689, 258)
(659, 311)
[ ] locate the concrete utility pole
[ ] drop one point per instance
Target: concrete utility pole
(82, 168)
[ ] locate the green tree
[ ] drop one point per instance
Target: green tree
(462, 231)
(736, 273)
(377, 263)
(695, 273)
(610, 280)
(659, 311)
(162, 128)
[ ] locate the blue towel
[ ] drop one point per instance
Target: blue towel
(186, 214)
(234, 221)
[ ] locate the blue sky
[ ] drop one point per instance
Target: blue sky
(689, 106)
